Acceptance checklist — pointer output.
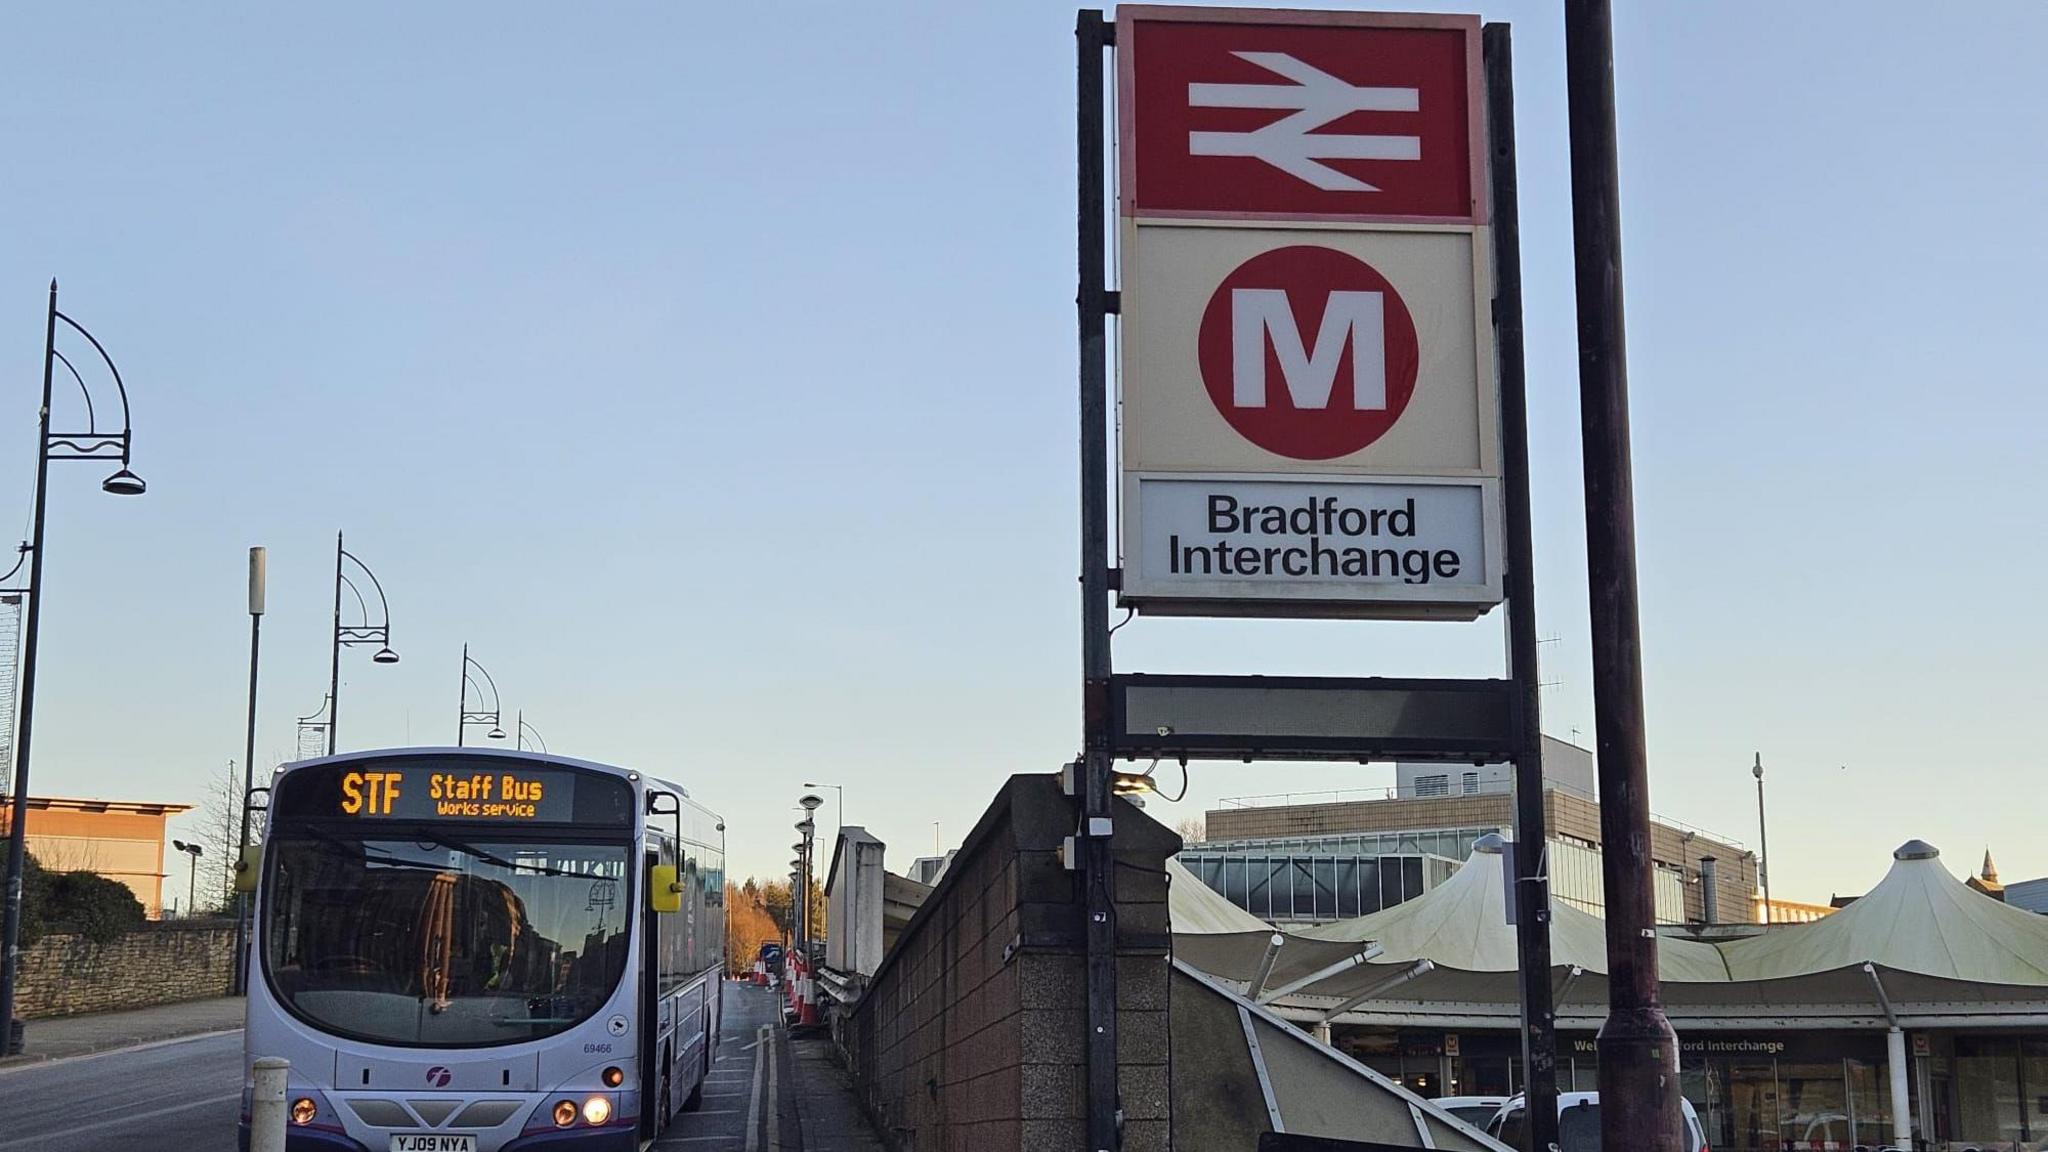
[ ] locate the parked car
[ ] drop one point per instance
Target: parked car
(1477, 1111)
(1578, 1123)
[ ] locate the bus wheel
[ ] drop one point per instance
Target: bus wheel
(696, 1097)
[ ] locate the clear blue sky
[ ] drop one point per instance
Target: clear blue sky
(709, 369)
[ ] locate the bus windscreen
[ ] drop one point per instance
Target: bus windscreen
(428, 939)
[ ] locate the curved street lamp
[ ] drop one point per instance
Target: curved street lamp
(91, 444)
(465, 715)
(371, 631)
(521, 730)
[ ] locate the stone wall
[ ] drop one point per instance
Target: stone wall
(971, 1034)
(162, 962)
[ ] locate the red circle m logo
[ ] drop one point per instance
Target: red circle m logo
(438, 1076)
(1308, 352)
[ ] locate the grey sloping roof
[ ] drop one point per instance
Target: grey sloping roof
(1239, 1070)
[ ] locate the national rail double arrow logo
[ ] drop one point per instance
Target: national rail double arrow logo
(1316, 98)
(1308, 119)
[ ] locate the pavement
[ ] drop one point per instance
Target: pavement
(61, 1037)
(131, 1080)
(771, 1090)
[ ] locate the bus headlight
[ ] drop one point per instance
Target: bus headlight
(303, 1111)
(565, 1113)
(597, 1110)
(613, 1077)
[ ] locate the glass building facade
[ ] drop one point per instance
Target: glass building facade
(1768, 1092)
(1318, 879)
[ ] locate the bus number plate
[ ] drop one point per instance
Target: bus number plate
(432, 1142)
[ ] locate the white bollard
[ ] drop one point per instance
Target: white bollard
(266, 1104)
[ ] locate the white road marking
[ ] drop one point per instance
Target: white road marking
(774, 1109)
(124, 1118)
(143, 1047)
(754, 1109)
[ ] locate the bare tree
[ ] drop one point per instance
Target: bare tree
(220, 823)
(1192, 830)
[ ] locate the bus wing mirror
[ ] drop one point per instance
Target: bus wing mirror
(247, 867)
(664, 894)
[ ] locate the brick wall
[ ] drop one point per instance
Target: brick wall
(159, 963)
(970, 1036)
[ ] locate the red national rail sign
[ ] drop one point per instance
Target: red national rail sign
(1260, 113)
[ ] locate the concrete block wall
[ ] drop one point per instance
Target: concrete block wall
(971, 1035)
(160, 963)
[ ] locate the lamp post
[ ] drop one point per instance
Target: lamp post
(1763, 843)
(465, 715)
(521, 730)
(258, 563)
(354, 635)
(91, 444)
(809, 827)
(195, 851)
(838, 804)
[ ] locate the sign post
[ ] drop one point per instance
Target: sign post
(1322, 410)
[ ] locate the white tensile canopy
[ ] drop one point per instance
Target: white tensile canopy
(1919, 920)
(1921, 934)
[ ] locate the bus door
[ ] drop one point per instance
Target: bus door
(654, 1104)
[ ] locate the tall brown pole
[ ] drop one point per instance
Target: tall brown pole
(1638, 1051)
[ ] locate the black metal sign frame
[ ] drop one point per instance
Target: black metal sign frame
(1346, 719)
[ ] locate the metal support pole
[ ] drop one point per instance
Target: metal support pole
(1638, 1051)
(17, 842)
(1362, 956)
(257, 558)
(1763, 842)
(1265, 972)
(462, 699)
(1902, 1110)
(334, 671)
(1532, 883)
(1092, 35)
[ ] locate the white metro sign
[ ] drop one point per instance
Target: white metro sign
(1263, 316)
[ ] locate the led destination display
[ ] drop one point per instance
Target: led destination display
(425, 793)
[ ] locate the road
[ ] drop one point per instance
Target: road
(186, 1094)
(181, 1094)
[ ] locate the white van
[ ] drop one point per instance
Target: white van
(1578, 1123)
(1477, 1111)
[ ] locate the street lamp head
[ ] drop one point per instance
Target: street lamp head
(496, 733)
(811, 801)
(805, 825)
(385, 656)
(124, 483)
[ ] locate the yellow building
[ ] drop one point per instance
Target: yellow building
(118, 839)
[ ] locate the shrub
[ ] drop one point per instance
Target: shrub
(35, 897)
(91, 906)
